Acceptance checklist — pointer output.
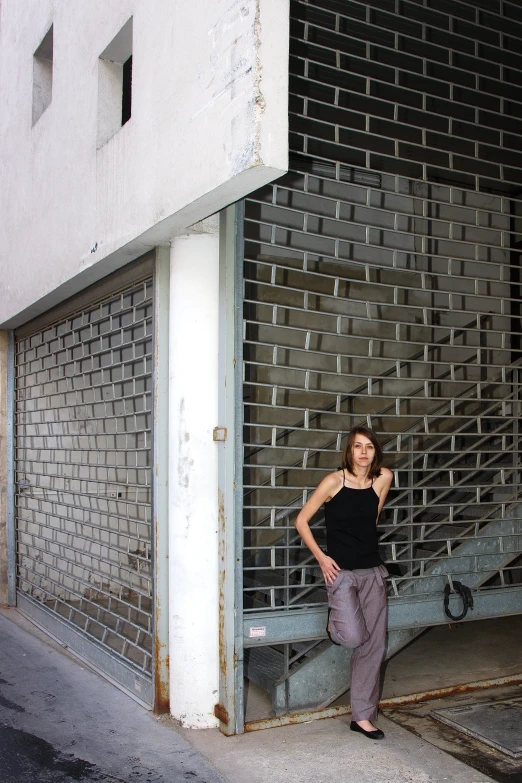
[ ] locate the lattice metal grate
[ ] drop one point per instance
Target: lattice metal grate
(83, 502)
(382, 286)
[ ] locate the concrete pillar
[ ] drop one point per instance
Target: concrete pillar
(193, 477)
(3, 469)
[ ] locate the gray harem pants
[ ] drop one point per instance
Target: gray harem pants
(357, 601)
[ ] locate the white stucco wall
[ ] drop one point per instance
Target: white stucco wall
(208, 125)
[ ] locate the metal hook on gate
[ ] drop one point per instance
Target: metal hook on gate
(467, 600)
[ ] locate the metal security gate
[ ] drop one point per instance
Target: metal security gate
(382, 287)
(83, 477)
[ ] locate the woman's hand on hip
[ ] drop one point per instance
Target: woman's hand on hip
(329, 568)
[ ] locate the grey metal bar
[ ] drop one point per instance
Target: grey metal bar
(353, 36)
(239, 421)
(289, 216)
(376, 286)
(325, 171)
(230, 707)
(404, 612)
(389, 372)
(11, 525)
(160, 498)
(364, 5)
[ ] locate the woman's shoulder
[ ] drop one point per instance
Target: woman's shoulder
(385, 476)
(329, 486)
(333, 480)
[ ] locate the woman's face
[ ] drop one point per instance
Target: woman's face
(363, 451)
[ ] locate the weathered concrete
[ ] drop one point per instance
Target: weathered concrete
(209, 124)
(193, 478)
(65, 723)
(325, 751)
(3, 468)
(485, 759)
(98, 733)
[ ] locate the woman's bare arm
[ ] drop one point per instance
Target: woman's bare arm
(326, 489)
(383, 487)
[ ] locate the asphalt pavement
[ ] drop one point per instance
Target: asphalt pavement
(61, 722)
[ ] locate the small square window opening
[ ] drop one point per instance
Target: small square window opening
(115, 85)
(126, 92)
(43, 76)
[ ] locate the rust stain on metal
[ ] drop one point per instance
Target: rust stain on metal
(336, 712)
(226, 684)
(161, 684)
(161, 693)
(437, 693)
(222, 570)
(221, 713)
(296, 718)
(161, 664)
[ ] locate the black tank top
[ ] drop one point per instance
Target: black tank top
(351, 528)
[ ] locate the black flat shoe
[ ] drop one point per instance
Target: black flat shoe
(377, 734)
(328, 630)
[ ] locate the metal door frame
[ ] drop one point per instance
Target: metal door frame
(11, 524)
(230, 709)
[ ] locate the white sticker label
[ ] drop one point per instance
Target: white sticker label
(257, 630)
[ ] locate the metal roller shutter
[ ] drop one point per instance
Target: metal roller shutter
(83, 477)
(382, 287)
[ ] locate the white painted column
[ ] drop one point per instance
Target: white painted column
(193, 477)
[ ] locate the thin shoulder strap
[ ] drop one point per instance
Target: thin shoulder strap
(344, 477)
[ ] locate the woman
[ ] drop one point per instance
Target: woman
(352, 569)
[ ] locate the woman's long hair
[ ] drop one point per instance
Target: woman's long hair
(347, 459)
